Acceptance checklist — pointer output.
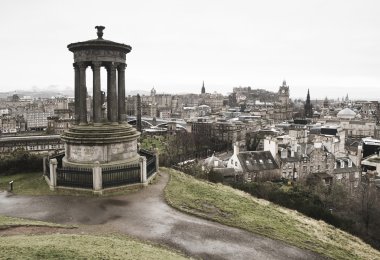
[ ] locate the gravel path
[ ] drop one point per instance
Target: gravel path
(145, 215)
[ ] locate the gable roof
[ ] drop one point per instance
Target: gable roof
(257, 161)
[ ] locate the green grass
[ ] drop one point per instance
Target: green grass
(236, 208)
(7, 222)
(32, 183)
(69, 246)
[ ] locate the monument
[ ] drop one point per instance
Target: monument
(107, 139)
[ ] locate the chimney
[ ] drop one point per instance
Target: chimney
(284, 153)
(292, 153)
(236, 148)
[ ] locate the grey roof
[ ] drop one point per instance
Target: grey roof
(257, 161)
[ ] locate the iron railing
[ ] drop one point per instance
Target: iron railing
(74, 177)
(122, 175)
(150, 166)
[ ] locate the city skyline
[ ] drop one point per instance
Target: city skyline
(332, 48)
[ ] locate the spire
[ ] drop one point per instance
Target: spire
(308, 106)
(203, 91)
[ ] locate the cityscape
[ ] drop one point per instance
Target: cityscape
(114, 160)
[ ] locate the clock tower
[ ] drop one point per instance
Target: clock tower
(283, 94)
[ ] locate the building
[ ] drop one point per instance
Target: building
(46, 143)
(254, 165)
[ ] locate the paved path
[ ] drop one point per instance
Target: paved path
(144, 214)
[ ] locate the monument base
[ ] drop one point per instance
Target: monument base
(110, 145)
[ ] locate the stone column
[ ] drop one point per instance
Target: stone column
(112, 95)
(97, 94)
(83, 93)
(142, 161)
(97, 178)
(77, 93)
(121, 92)
(156, 153)
(53, 174)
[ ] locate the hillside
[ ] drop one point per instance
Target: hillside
(49, 241)
(235, 208)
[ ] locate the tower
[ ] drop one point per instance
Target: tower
(203, 88)
(283, 94)
(308, 106)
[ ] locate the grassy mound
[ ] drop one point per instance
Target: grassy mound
(64, 246)
(74, 246)
(7, 222)
(235, 208)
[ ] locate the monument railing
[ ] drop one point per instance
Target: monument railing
(120, 175)
(96, 177)
(151, 166)
(75, 177)
(151, 161)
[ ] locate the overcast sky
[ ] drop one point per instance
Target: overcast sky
(331, 47)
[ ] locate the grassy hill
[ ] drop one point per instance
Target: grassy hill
(236, 208)
(74, 246)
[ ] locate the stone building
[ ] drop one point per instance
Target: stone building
(37, 144)
(254, 165)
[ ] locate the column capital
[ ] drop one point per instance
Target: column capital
(111, 66)
(75, 65)
(121, 66)
(82, 65)
(96, 64)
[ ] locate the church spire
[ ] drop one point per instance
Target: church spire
(308, 106)
(203, 88)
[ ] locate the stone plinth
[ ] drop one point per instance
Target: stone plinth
(110, 145)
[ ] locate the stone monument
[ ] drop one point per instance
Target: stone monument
(107, 139)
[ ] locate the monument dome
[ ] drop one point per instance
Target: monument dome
(346, 114)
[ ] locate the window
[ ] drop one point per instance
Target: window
(232, 161)
(235, 163)
(304, 168)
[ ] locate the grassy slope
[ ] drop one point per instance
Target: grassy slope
(64, 246)
(74, 246)
(235, 208)
(6, 222)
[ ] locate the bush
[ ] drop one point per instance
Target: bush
(20, 161)
(215, 176)
(296, 198)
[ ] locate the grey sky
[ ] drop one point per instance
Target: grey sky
(331, 47)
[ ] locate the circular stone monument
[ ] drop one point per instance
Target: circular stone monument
(107, 139)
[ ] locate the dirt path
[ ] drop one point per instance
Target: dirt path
(145, 215)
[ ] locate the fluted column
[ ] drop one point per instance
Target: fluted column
(121, 92)
(112, 103)
(76, 93)
(97, 95)
(82, 94)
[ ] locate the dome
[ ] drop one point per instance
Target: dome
(346, 114)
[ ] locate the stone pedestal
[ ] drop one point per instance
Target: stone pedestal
(110, 145)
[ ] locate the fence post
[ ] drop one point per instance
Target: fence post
(53, 173)
(142, 161)
(97, 179)
(156, 153)
(44, 164)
